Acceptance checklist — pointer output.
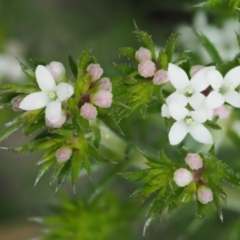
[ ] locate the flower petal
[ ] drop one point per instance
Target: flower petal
(233, 98)
(44, 79)
(201, 134)
(177, 77)
(199, 81)
(165, 111)
(177, 132)
(177, 111)
(64, 91)
(53, 111)
(34, 101)
(215, 79)
(199, 116)
(197, 100)
(177, 97)
(214, 100)
(232, 77)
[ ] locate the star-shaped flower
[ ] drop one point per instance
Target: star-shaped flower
(50, 96)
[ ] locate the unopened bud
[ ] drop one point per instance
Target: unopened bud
(195, 69)
(88, 111)
(16, 103)
(146, 68)
(56, 124)
(182, 177)
(105, 84)
(222, 112)
(143, 54)
(160, 77)
(95, 71)
(63, 154)
(204, 195)
(194, 161)
(57, 70)
(102, 98)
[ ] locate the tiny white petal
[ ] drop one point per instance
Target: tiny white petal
(215, 79)
(200, 115)
(178, 132)
(64, 91)
(34, 101)
(177, 77)
(165, 111)
(214, 100)
(232, 77)
(53, 111)
(233, 98)
(44, 78)
(197, 100)
(201, 134)
(177, 97)
(177, 111)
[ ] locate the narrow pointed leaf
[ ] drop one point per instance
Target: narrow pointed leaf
(170, 46)
(76, 166)
(9, 130)
(73, 66)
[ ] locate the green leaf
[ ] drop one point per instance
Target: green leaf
(28, 71)
(63, 173)
(76, 166)
(163, 60)
(210, 48)
(32, 128)
(170, 46)
(86, 162)
(96, 155)
(125, 68)
(44, 167)
(148, 156)
(128, 52)
(37, 62)
(76, 121)
(213, 126)
(9, 130)
(97, 136)
(17, 88)
(85, 59)
(73, 66)
(134, 176)
(201, 209)
(164, 158)
(111, 122)
(183, 151)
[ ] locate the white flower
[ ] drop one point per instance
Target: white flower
(224, 89)
(50, 97)
(188, 91)
(188, 122)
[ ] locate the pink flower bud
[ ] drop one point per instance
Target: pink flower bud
(182, 177)
(143, 54)
(105, 84)
(194, 161)
(57, 70)
(146, 68)
(222, 112)
(63, 154)
(16, 102)
(88, 111)
(204, 195)
(195, 69)
(160, 77)
(95, 71)
(56, 124)
(102, 98)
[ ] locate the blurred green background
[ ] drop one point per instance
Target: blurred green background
(51, 30)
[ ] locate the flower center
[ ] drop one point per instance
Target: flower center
(231, 87)
(189, 90)
(51, 95)
(189, 121)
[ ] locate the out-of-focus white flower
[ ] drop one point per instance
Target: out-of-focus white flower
(57, 70)
(95, 71)
(51, 95)
(204, 195)
(194, 161)
(182, 177)
(143, 54)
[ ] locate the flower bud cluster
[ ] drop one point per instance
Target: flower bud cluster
(198, 100)
(99, 94)
(147, 68)
(183, 177)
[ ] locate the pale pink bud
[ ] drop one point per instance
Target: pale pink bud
(143, 54)
(95, 71)
(57, 70)
(160, 77)
(204, 195)
(16, 102)
(56, 124)
(88, 111)
(194, 161)
(222, 112)
(182, 177)
(102, 98)
(63, 154)
(195, 69)
(146, 68)
(105, 84)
